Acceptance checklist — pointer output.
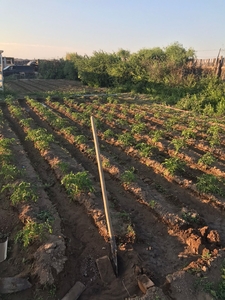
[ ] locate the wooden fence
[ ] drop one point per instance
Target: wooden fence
(215, 65)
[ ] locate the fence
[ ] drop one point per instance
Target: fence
(215, 65)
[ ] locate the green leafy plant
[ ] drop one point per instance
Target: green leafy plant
(174, 164)
(33, 231)
(126, 139)
(152, 203)
(207, 159)
(145, 149)
(138, 128)
(80, 139)
(77, 183)
(178, 144)
(156, 135)
(208, 183)
(108, 134)
(128, 176)
(40, 137)
(22, 191)
(9, 172)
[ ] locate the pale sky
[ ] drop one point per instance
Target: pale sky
(50, 28)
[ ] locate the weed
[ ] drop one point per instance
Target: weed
(152, 203)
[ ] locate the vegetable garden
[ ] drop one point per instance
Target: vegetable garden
(165, 177)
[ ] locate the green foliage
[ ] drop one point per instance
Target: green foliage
(174, 164)
(108, 134)
(22, 191)
(156, 135)
(33, 231)
(57, 69)
(138, 128)
(208, 183)
(207, 159)
(126, 139)
(145, 149)
(77, 183)
(80, 139)
(178, 144)
(8, 172)
(128, 176)
(40, 137)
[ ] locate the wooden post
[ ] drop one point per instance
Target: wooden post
(104, 196)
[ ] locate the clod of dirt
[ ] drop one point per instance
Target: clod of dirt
(48, 256)
(195, 243)
(204, 231)
(213, 237)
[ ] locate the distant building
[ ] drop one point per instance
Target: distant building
(7, 61)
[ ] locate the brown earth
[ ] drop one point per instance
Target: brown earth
(173, 253)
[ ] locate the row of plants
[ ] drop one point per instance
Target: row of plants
(78, 185)
(20, 191)
(174, 163)
(131, 182)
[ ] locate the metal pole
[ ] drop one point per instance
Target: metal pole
(104, 196)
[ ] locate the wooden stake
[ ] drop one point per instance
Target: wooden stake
(104, 196)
